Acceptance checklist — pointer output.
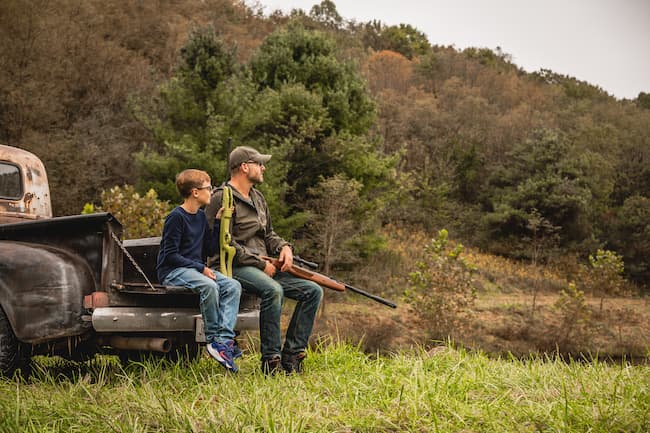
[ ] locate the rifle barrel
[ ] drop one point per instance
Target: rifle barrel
(304, 262)
(371, 296)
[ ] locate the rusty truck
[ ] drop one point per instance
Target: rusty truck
(70, 286)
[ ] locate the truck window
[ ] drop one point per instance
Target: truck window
(10, 181)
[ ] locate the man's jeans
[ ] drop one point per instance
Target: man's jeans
(219, 301)
(272, 292)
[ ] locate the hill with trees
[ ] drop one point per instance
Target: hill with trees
(373, 128)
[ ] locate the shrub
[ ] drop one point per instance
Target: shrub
(605, 275)
(442, 286)
(575, 315)
(141, 216)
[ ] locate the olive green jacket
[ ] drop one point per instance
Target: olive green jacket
(251, 230)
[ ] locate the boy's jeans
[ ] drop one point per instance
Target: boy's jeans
(272, 292)
(219, 301)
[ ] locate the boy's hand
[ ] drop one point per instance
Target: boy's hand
(209, 273)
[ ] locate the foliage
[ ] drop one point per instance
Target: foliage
(630, 236)
(403, 38)
(332, 203)
(326, 13)
(442, 286)
(540, 177)
(294, 99)
(295, 55)
(543, 236)
(465, 135)
(191, 131)
(141, 216)
(605, 276)
(643, 100)
(389, 70)
(574, 315)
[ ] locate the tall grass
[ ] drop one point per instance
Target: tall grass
(342, 390)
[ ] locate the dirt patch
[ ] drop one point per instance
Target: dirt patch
(501, 323)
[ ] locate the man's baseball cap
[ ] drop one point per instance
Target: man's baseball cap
(241, 154)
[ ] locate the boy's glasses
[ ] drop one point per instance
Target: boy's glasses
(209, 187)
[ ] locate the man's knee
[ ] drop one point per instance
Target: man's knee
(259, 284)
(314, 291)
(271, 292)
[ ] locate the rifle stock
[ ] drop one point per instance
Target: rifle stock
(325, 281)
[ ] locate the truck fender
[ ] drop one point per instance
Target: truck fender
(42, 290)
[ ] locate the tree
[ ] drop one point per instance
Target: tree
(389, 70)
(541, 174)
(542, 239)
(192, 123)
(332, 203)
(294, 99)
(442, 286)
(404, 39)
(326, 14)
(325, 109)
(295, 55)
(630, 235)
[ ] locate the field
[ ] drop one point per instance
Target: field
(343, 390)
(510, 368)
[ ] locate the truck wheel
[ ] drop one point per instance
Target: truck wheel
(11, 356)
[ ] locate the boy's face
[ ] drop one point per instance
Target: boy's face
(203, 193)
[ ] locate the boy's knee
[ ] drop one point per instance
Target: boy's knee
(209, 291)
(234, 287)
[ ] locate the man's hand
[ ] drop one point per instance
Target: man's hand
(286, 258)
(269, 269)
(209, 273)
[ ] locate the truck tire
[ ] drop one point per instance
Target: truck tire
(12, 357)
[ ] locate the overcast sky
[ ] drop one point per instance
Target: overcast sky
(604, 42)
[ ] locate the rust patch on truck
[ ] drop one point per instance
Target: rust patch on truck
(24, 190)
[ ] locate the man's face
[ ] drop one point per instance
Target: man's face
(255, 172)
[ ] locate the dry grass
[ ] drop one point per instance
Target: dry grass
(503, 318)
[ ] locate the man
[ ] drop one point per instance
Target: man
(253, 236)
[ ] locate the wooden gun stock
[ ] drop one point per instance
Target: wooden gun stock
(325, 281)
(306, 274)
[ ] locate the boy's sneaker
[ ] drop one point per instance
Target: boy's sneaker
(292, 362)
(223, 355)
(234, 349)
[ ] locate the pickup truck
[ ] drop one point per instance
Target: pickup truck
(71, 287)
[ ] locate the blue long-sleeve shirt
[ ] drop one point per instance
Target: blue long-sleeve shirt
(186, 241)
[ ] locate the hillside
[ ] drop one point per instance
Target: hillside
(381, 138)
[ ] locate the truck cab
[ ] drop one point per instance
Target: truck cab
(71, 286)
(24, 190)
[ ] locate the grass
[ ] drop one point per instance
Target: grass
(343, 390)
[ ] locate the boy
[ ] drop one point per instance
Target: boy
(186, 241)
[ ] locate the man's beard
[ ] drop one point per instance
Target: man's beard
(255, 180)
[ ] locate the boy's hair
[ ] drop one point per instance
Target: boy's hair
(190, 179)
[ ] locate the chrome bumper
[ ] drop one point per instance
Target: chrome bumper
(137, 319)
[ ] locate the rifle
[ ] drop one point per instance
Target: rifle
(324, 280)
(226, 251)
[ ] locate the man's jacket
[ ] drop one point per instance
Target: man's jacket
(251, 230)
